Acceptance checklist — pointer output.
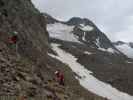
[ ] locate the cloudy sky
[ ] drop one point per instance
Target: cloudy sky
(113, 17)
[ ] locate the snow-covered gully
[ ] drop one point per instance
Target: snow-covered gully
(86, 79)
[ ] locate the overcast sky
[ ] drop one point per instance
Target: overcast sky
(113, 17)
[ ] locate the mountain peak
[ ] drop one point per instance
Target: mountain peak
(119, 43)
(78, 20)
(73, 21)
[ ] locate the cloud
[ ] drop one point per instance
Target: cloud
(113, 17)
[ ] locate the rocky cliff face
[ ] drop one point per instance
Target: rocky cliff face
(21, 16)
(25, 73)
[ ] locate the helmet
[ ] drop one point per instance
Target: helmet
(15, 33)
(56, 72)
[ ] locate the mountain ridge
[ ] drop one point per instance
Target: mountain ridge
(85, 31)
(94, 51)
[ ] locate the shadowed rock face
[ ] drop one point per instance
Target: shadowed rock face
(21, 16)
(131, 44)
(78, 21)
(119, 43)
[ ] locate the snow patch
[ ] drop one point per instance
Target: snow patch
(129, 62)
(86, 28)
(87, 80)
(62, 32)
(83, 37)
(110, 50)
(88, 53)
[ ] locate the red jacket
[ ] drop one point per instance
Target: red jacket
(60, 76)
(13, 39)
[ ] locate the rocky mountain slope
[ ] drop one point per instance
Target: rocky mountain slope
(17, 76)
(125, 48)
(29, 71)
(91, 48)
(18, 16)
(77, 47)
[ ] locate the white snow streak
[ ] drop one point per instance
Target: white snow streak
(129, 62)
(83, 37)
(87, 80)
(111, 50)
(88, 53)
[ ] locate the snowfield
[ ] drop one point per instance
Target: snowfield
(126, 49)
(86, 79)
(86, 28)
(62, 32)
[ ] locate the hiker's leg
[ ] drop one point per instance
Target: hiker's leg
(11, 46)
(61, 82)
(17, 54)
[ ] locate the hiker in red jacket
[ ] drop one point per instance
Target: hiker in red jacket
(13, 41)
(59, 77)
(14, 38)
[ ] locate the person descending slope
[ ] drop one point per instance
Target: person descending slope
(59, 77)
